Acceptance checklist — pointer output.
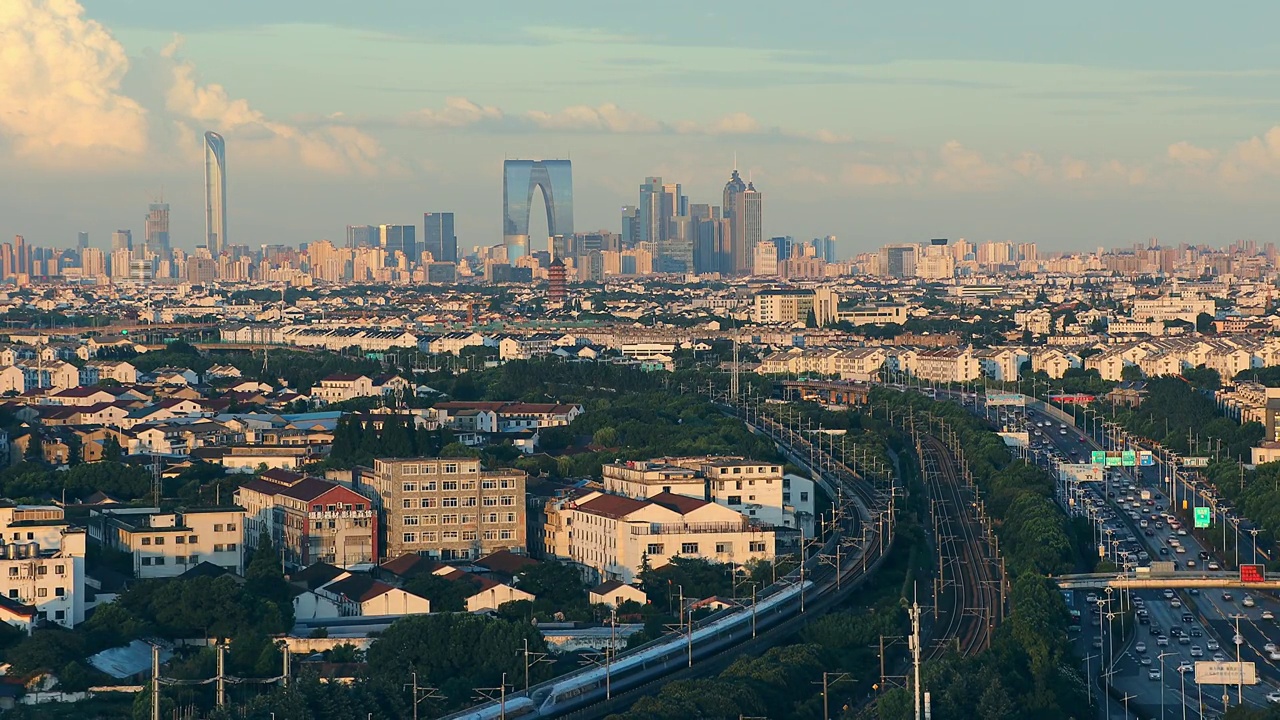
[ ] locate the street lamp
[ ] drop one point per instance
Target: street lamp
(1254, 532)
(1163, 685)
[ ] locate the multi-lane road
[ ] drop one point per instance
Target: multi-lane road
(1208, 619)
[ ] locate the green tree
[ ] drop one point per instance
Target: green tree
(111, 450)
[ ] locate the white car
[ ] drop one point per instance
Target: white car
(1185, 666)
(1175, 603)
(1247, 601)
(1212, 645)
(1269, 647)
(1219, 657)
(1144, 660)
(1140, 647)
(1275, 656)
(1273, 696)
(1268, 615)
(1196, 651)
(1153, 673)
(1168, 594)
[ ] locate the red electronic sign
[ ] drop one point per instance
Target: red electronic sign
(1252, 573)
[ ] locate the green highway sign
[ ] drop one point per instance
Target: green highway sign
(1203, 517)
(1129, 458)
(1099, 457)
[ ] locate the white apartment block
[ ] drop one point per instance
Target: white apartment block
(42, 566)
(613, 537)
(167, 544)
(1173, 307)
(339, 388)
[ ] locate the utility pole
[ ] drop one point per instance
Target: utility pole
(426, 693)
(915, 656)
(155, 682)
(531, 659)
(222, 678)
(828, 678)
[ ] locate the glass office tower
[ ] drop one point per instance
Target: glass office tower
(519, 178)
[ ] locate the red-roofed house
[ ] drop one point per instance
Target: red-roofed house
(358, 594)
(488, 594)
(312, 519)
(614, 536)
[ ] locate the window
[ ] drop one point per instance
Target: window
(491, 517)
(449, 502)
(60, 615)
(468, 519)
(231, 527)
(359, 506)
(468, 534)
(448, 519)
(146, 541)
(654, 549)
(317, 508)
(428, 502)
(449, 535)
(689, 548)
(449, 485)
(508, 500)
(490, 535)
(319, 525)
(751, 497)
(804, 497)
(409, 503)
(13, 572)
(192, 540)
(468, 502)
(428, 537)
(469, 485)
(13, 593)
(42, 570)
(756, 546)
(60, 569)
(410, 537)
(507, 484)
(737, 485)
(158, 561)
(430, 519)
(410, 519)
(217, 527)
(42, 592)
(410, 470)
(723, 548)
(511, 517)
(735, 499)
(490, 501)
(505, 534)
(159, 541)
(146, 561)
(488, 485)
(429, 486)
(219, 547)
(59, 592)
(231, 547)
(180, 559)
(411, 487)
(194, 559)
(180, 540)
(428, 469)
(450, 469)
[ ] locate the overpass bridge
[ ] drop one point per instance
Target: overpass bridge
(1159, 581)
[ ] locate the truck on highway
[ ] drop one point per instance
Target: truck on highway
(1146, 494)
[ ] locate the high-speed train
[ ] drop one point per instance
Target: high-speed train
(655, 659)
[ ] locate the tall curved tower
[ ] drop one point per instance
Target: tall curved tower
(215, 193)
(519, 178)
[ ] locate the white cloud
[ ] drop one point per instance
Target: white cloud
(868, 174)
(1184, 153)
(334, 148)
(738, 123)
(60, 75)
(457, 112)
(604, 118)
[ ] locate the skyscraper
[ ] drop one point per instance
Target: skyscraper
(519, 178)
(215, 193)
(438, 238)
(739, 257)
(82, 240)
(751, 215)
(363, 236)
(630, 226)
(156, 234)
(122, 240)
(399, 237)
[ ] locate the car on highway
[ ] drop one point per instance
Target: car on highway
(1269, 647)
(1273, 696)
(1188, 617)
(1175, 603)
(1197, 632)
(1155, 630)
(1184, 640)
(1162, 641)
(1214, 566)
(1274, 655)
(1185, 666)
(1248, 601)
(1153, 674)
(1268, 615)
(1212, 644)
(1219, 657)
(1226, 596)
(1168, 594)
(1144, 660)
(1196, 651)
(1140, 647)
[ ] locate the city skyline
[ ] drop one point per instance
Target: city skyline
(920, 134)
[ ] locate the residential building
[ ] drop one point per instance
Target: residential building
(168, 543)
(310, 519)
(448, 508)
(42, 566)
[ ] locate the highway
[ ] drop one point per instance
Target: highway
(1210, 613)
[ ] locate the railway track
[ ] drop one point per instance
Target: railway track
(824, 579)
(967, 592)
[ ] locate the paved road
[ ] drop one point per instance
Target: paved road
(1211, 615)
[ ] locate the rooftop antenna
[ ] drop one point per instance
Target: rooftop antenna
(735, 160)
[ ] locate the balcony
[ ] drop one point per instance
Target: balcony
(698, 528)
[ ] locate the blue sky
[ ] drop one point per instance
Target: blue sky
(1072, 125)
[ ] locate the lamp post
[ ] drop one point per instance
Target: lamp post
(1254, 532)
(1163, 685)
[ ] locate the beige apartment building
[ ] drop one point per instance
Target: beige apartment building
(448, 508)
